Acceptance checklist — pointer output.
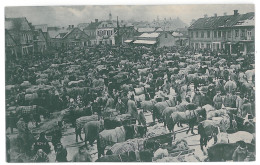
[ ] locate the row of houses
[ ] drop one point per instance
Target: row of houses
(21, 38)
(230, 33)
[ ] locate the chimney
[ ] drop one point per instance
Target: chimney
(205, 16)
(215, 15)
(225, 14)
(235, 12)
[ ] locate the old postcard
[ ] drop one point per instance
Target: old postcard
(143, 83)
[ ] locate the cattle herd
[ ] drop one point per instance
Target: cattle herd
(130, 103)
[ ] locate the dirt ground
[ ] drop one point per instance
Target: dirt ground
(69, 141)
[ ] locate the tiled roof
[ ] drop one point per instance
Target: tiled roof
(220, 21)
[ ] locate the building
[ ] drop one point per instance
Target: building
(69, 39)
(75, 38)
(56, 35)
(44, 28)
(158, 40)
(230, 33)
(91, 31)
(169, 24)
(105, 33)
(39, 41)
(20, 31)
(10, 47)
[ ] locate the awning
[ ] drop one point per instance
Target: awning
(144, 42)
(128, 41)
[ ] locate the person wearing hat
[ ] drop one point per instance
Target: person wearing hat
(82, 155)
(41, 156)
(61, 153)
(217, 100)
(246, 108)
(120, 106)
(197, 97)
(240, 153)
(239, 102)
(132, 109)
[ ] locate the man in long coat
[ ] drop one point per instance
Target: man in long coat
(132, 110)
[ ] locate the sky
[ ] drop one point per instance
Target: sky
(66, 15)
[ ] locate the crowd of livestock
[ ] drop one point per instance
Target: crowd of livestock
(107, 92)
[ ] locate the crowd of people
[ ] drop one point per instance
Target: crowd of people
(97, 80)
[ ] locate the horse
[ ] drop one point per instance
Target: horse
(160, 106)
(224, 151)
(190, 117)
(119, 134)
(206, 133)
(91, 131)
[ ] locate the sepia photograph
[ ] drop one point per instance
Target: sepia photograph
(130, 83)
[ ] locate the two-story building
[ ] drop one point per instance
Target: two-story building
(22, 34)
(105, 33)
(230, 33)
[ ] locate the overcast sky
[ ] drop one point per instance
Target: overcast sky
(65, 15)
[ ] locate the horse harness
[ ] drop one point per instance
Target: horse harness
(167, 103)
(190, 114)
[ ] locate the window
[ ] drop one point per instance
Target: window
(229, 34)
(236, 33)
(208, 34)
(202, 45)
(202, 34)
(197, 34)
(242, 33)
(219, 34)
(191, 34)
(165, 35)
(215, 34)
(224, 34)
(208, 46)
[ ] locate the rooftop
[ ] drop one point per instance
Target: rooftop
(144, 42)
(149, 35)
(221, 21)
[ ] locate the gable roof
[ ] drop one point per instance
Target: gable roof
(93, 26)
(18, 24)
(56, 33)
(66, 35)
(220, 21)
